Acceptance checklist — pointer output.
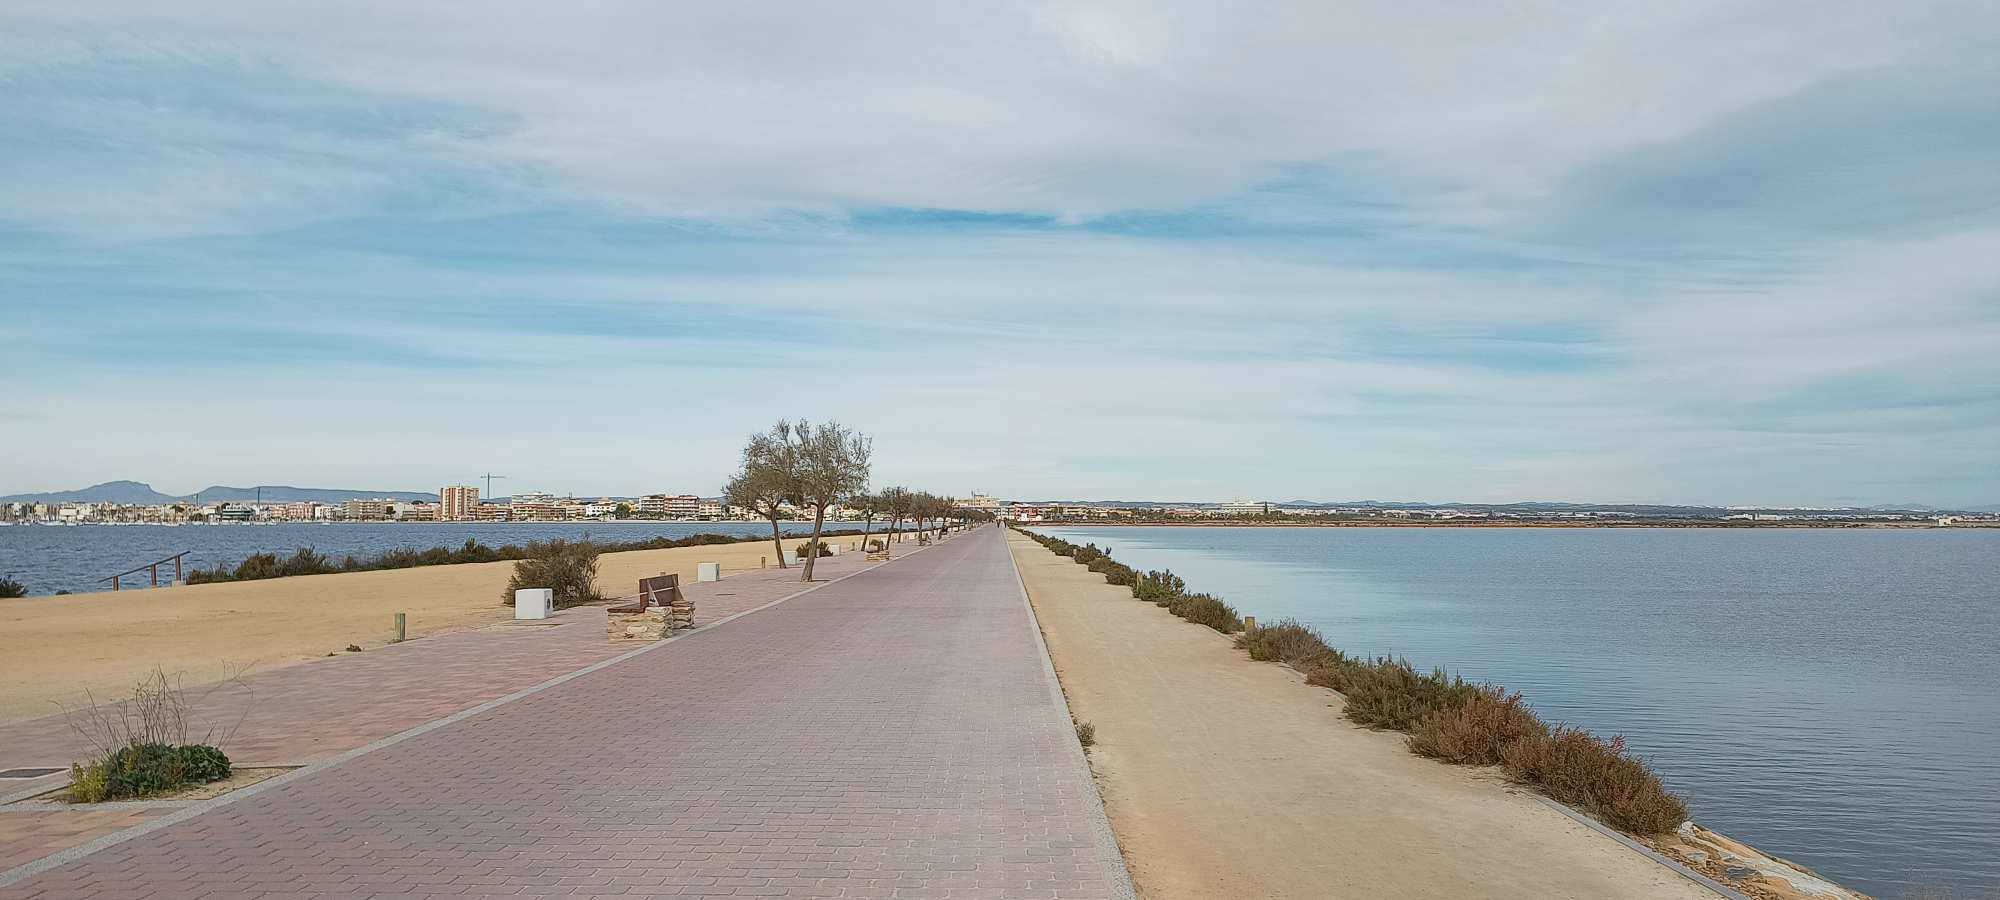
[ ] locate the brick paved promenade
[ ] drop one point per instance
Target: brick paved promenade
(895, 734)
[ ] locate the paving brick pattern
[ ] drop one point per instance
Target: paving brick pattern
(321, 708)
(892, 735)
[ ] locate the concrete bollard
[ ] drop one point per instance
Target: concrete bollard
(833, 549)
(708, 571)
(400, 622)
(534, 603)
(791, 557)
(1249, 623)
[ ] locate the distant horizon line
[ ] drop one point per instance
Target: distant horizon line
(51, 496)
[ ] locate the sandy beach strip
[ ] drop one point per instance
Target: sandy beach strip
(1227, 778)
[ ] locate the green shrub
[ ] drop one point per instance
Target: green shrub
(1290, 642)
(146, 770)
(567, 567)
(10, 589)
(305, 562)
(811, 550)
(1158, 586)
(1203, 609)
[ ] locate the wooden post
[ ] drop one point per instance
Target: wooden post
(178, 577)
(400, 621)
(153, 572)
(1249, 623)
(763, 562)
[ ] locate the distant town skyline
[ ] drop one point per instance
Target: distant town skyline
(1617, 252)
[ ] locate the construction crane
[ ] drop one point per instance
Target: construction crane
(489, 482)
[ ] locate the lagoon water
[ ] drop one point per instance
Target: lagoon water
(49, 558)
(1823, 694)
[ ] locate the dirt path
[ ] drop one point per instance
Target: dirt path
(55, 648)
(1227, 778)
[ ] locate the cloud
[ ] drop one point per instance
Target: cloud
(1627, 251)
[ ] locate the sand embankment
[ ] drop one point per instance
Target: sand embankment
(1227, 778)
(53, 649)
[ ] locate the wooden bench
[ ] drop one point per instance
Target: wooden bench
(659, 590)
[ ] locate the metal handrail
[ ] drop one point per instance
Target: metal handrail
(118, 580)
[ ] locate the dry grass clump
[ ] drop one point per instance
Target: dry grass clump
(1086, 734)
(1162, 588)
(1290, 642)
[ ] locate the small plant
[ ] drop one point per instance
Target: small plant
(812, 549)
(10, 589)
(354, 648)
(1478, 731)
(1086, 734)
(141, 745)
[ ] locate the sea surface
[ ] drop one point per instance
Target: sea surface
(49, 558)
(1827, 695)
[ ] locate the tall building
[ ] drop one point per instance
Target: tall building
(457, 503)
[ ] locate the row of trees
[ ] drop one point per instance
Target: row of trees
(800, 465)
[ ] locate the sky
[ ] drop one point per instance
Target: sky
(1699, 252)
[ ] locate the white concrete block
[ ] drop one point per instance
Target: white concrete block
(791, 557)
(708, 572)
(534, 603)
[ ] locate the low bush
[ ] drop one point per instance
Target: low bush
(1158, 586)
(1289, 642)
(1596, 776)
(10, 589)
(811, 550)
(1086, 734)
(567, 567)
(1203, 609)
(1478, 731)
(145, 770)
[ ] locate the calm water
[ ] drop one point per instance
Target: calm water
(1826, 695)
(52, 558)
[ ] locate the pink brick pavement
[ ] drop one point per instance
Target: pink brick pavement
(320, 708)
(892, 735)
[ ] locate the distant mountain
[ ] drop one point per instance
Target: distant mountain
(135, 492)
(108, 492)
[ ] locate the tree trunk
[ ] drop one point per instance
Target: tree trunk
(867, 525)
(819, 519)
(777, 542)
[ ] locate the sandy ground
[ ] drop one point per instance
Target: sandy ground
(53, 649)
(1228, 778)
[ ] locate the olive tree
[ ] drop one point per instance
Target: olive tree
(831, 466)
(768, 480)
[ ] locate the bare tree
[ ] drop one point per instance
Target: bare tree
(768, 480)
(832, 466)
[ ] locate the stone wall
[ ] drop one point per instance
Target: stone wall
(653, 624)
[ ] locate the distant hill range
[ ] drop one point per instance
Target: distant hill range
(1536, 507)
(138, 492)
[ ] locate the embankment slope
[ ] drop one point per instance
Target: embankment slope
(1227, 778)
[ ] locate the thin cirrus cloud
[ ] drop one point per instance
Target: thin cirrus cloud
(1701, 253)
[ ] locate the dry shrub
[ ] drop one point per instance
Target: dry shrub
(1291, 642)
(567, 567)
(1597, 776)
(1476, 732)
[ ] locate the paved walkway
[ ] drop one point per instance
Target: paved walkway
(894, 734)
(318, 709)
